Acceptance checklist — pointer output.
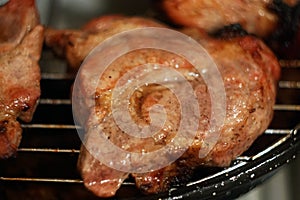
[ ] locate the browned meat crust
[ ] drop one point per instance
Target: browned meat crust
(257, 70)
(75, 45)
(254, 16)
(17, 18)
(19, 70)
(249, 71)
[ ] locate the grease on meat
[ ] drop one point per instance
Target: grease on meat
(20, 50)
(249, 70)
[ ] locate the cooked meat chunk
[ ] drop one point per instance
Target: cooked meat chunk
(75, 45)
(20, 50)
(211, 15)
(255, 70)
(17, 18)
(249, 71)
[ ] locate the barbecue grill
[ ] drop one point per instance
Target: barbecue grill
(45, 165)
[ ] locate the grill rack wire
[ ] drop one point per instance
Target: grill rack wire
(279, 140)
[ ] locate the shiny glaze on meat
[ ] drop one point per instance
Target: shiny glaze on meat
(20, 50)
(249, 71)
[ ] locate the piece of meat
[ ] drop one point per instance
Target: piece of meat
(75, 45)
(255, 70)
(249, 71)
(247, 117)
(254, 16)
(19, 70)
(17, 18)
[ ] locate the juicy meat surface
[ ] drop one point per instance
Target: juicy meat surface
(249, 81)
(211, 15)
(249, 71)
(20, 50)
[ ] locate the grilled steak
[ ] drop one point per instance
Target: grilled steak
(20, 49)
(249, 71)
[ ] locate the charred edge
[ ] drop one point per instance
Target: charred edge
(230, 31)
(70, 43)
(3, 128)
(183, 177)
(252, 110)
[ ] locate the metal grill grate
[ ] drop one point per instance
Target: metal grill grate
(50, 148)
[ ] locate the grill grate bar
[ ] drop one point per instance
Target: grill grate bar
(289, 63)
(45, 150)
(55, 101)
(278, 131)
(54, 180)
(57, 76)
(284, 107)
(289, 84)
(50, 126)
(51, 180)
